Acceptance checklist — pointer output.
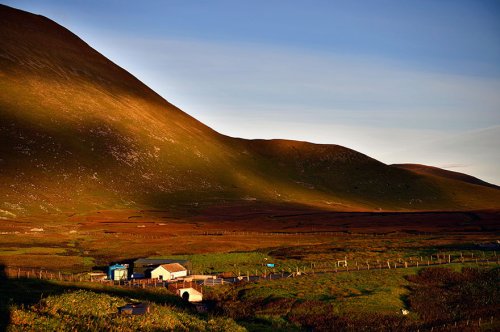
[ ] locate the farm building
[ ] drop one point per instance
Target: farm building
(169, 271)
(118, 272)
(97, 276)
(146, 265)
(190, 294)
(136, 275)
(189, 291)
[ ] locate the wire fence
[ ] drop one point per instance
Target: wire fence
(343, 266)
(262, 272)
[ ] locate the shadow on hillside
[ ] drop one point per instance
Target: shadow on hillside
(27, 292)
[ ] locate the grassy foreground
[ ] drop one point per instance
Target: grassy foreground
(83, 310)
(457, 296)
(37, 305)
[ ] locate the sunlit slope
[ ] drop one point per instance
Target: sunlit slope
(77, 132)
(439, 172)
(76, 127)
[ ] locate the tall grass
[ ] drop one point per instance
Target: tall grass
(84, 310)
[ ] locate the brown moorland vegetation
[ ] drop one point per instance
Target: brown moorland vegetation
(79, 241)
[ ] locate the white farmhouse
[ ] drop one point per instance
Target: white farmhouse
(169, 271)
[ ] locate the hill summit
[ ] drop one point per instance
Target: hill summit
(79, 133)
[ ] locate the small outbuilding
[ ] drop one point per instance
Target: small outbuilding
(118, 272)
(190, 294)
(97, 276)
(188, 291)
(169, 271)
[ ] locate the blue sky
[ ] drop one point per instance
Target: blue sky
(401, 81)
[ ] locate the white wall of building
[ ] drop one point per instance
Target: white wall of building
(161, 273)
(194, 295)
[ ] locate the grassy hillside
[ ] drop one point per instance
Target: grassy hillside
(429, 170)
(79, 133)
(39, 305)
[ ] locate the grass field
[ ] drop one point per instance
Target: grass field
(223, 262)
(358, 300)
(372, 291)
(363, 299)
(236, 242)
(241, 244)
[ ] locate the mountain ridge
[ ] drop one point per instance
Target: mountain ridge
(79, 133)
(432, 170)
